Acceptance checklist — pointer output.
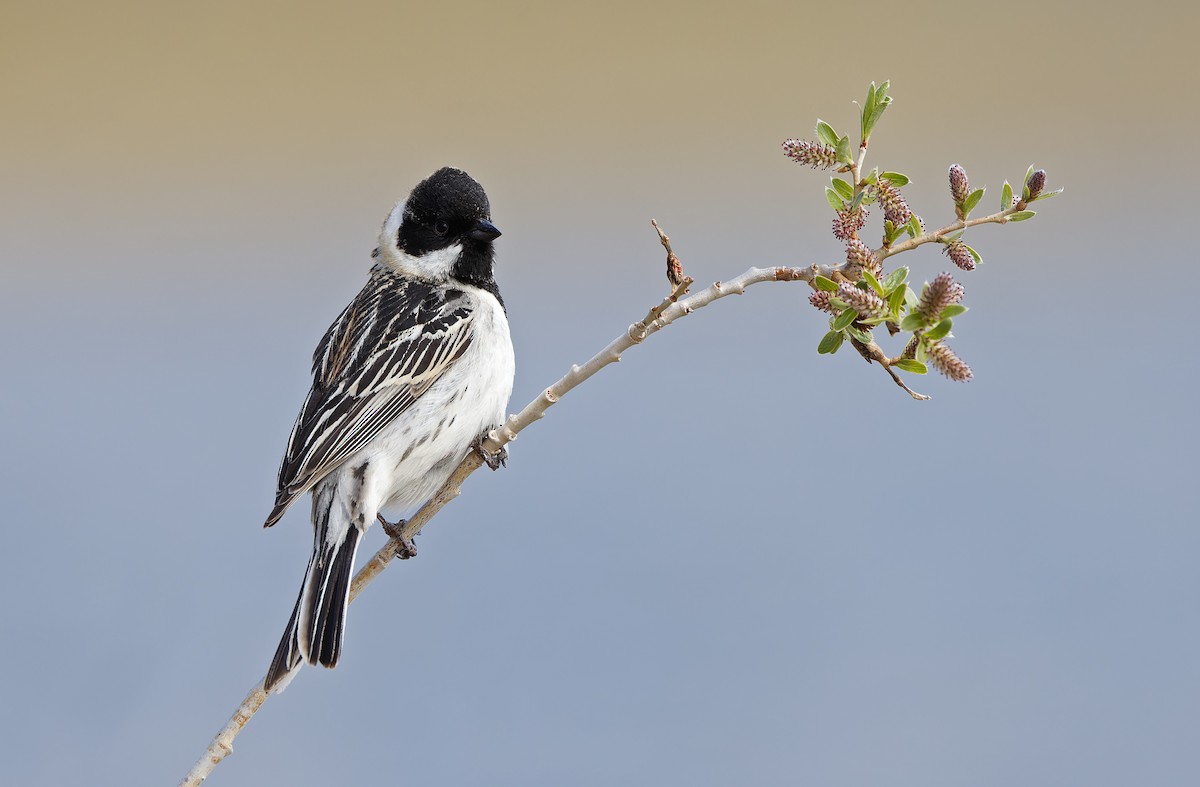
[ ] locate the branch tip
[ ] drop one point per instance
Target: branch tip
(674, 266)
(920, 397)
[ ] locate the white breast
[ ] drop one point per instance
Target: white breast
(415, 455)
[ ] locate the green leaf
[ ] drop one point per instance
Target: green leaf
(1006, 195)
(895, 278)
(873, 282)
(842, 320)
(910, 298)
(822, 283)
(953, 236)
(921, 352)
(895, 299)
(975, 254)
(872, 110)
(892, 231)
(831, 342)
(953, 310)
(834, 199)
(872, 177)
(826, 134)
(868, 122)
(896, 179)
(868, 107)
(1047, 195)
(880, 106)
(843, 150)
(939, 331)
(842, 188)
(912, 322)
(913, 228)
(1022, 215)
(972, 200)
(909, 365)
(838, 304)
(861, 335)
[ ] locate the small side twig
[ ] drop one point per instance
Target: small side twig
(873, 352)
(900, 382)
(883, 252)
(674, 266)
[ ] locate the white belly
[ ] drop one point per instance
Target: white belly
(416, 454)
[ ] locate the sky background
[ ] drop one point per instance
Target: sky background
(726, 560)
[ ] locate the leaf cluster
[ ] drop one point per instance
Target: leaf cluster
(877, 102)
(841, 144)
(846, 322)
(849, 193)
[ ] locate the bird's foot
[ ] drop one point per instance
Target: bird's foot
(405, 548)
(494, 461)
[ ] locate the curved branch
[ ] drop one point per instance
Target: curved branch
(668, 311)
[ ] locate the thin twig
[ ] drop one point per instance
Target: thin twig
(883, 252)
(674, 266)
(873, 352)
(918, 396)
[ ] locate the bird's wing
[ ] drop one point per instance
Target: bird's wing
(393, 341)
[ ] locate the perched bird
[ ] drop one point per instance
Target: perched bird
(406, 381)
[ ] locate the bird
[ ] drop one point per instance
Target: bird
(411, 376)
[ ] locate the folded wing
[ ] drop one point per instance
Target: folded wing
(382, 353)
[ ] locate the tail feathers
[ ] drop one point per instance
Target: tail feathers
(323, 610)
(315, 631)
(287, 655)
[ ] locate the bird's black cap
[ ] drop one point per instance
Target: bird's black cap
(450, 207)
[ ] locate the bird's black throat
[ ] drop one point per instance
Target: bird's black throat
(475, 266)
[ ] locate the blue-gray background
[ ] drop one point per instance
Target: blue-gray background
(725, 560)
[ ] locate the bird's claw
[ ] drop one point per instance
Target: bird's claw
(494, 461)
(405, 548)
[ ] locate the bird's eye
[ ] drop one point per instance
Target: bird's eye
(441, 227)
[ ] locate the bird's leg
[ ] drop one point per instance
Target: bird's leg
(395, 530)
(494, 461)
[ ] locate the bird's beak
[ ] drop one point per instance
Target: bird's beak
(484, 230)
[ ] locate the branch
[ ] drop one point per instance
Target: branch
(222, 745)
(854, 284)
(668, 311)
(883, 252)
(873, 352)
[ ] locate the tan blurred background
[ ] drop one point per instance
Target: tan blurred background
(231, 117)
(728, 560)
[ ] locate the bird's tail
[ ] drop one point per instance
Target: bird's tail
(314, 632)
